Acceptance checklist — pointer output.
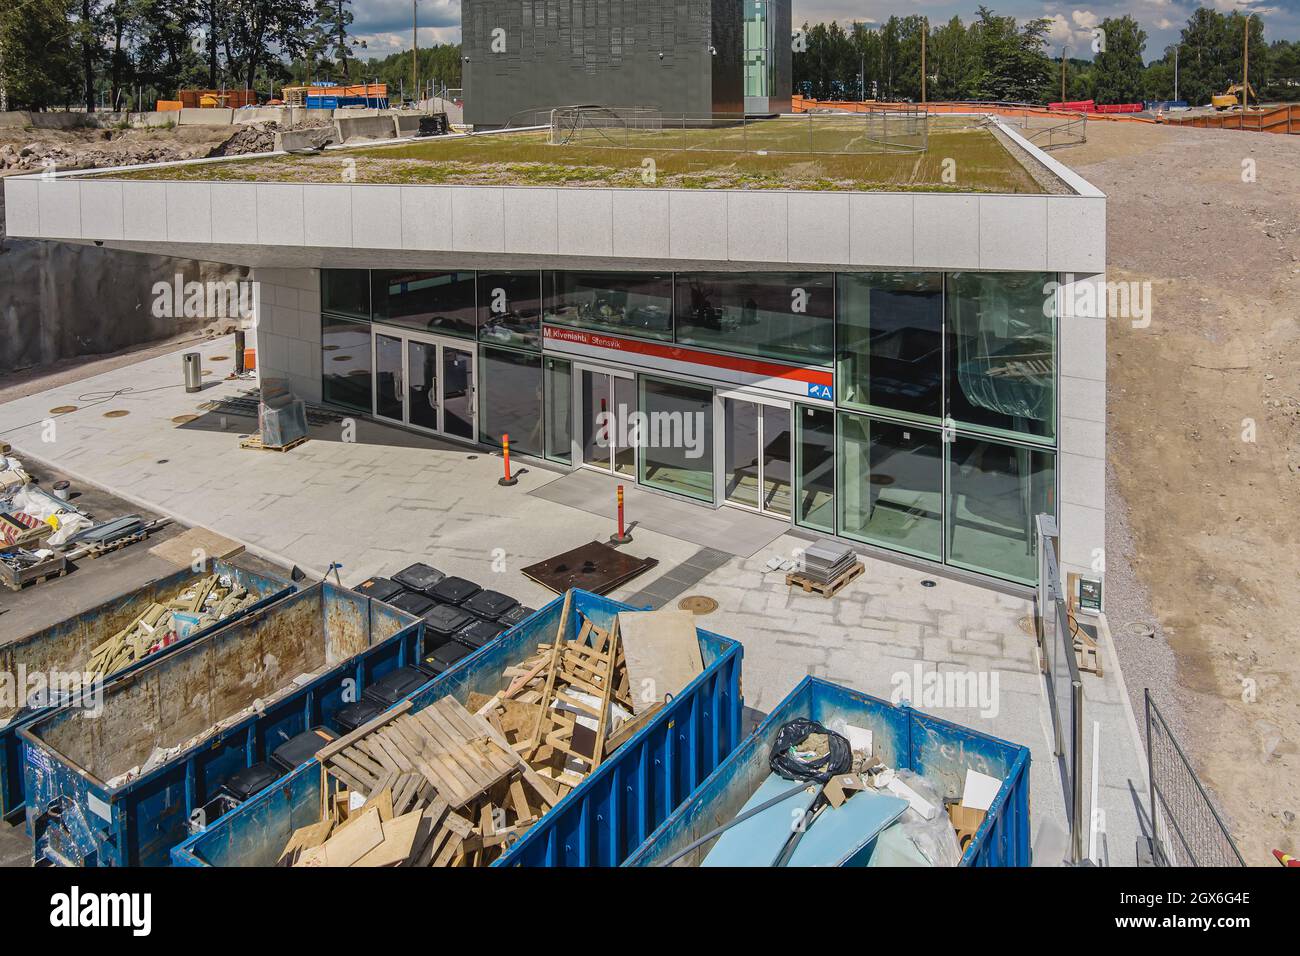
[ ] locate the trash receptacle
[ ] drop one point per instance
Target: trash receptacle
(193, 371)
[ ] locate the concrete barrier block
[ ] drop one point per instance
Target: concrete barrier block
(206, 117)
(364, 128)
(294, 139)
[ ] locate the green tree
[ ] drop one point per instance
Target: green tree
(1013, 64)
(1117, 67)
(952, 62)
(38, 59)
(256, 27)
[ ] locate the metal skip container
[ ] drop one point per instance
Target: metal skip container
(599, 823)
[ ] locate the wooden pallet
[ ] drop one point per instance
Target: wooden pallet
(255, 441)
(825, 589)
(99, 550)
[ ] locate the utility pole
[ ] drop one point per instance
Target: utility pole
(1176, 47)
(925, 33)
(1245, 63)
(415, 51)
(1064, 97)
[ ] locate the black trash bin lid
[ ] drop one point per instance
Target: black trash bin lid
(446, 656)
(515, 615)
(489, 605)
(453, 590)
(418, 577)
(446, 619)
(351, 716)
(413, 602)
(300, 748)
(381, 589)
(478, 633)
(394, 685)
(244, 783)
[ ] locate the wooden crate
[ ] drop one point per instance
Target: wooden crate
(55, 567)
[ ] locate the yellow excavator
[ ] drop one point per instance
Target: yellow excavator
(1229, 98)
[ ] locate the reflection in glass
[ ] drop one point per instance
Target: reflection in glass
(441, 302)
(994, 492)
(510, 308)
(677, 440)
(740, 452)
(891, 485)
(636, 304)
(422, 384)
(346, 377)
(784, 316)
(1002, 352)
(890, 340)
(345, 292)
(815, 468)
(595, 415)
(559, 410)
(624, 436)
(388, 377)
(457, 392)
(776, 460)
(512, 399)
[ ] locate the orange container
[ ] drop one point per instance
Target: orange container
(250, 359)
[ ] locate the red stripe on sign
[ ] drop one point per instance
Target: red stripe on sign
(690, 356)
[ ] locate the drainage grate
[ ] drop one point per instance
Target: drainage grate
(698, 604)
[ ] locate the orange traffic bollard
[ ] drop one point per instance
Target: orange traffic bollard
(509, 479)
(622, 537)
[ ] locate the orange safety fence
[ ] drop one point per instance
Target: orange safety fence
(1278, 119)
(801, 104)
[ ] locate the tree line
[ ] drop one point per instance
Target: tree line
(996, 58)
(124, 54)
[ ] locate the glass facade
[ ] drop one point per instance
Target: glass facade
(994, 491)
(441, 303)
(890, 327)
(346, 372)
(784, 316)
(635, 304)
(510, 400)
(940, 444)
(758, 78)
(677, 437)
(510, 309)
(1001, 353)
(557, 383)
(891, 485)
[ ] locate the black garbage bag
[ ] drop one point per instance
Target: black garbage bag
(838, 759)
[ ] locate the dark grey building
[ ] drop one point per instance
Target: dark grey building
(678, 56)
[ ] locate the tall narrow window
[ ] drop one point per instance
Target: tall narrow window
(558, 383)
(815, 467)
(891, 485)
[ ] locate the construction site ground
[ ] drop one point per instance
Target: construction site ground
(1204, 449)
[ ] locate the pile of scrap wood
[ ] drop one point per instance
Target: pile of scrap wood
(444, 786)
(199, 604)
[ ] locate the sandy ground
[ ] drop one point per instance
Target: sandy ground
(1204, 448)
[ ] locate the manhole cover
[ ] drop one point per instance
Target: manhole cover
(927, 583)
(698, 604)
(117, 413)
(62, 409)
(330, 348)
(184, 419)
(1141, 629)
(1028, 626)
(219, 358)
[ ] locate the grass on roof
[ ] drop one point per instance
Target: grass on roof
(958, 159)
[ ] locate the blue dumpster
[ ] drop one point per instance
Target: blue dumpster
(122, 787)
(66, 647)
(902, 737)
(598, 823)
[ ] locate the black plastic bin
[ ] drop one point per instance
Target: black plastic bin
(453, 591)
(446, 657)
(489, 605)
(381, 589)
(352, 716)
(243, 784)
(413, 602)
(300, 748)
(478, 633)
(418, 577)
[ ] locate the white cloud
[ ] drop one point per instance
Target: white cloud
(1085, 19)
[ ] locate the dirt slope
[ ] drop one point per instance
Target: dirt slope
(1204, 523)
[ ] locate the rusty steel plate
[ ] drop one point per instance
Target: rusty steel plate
(594, 567)
(184, 419)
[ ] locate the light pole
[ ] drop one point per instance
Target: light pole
(1176, 49)
(1064, 98)
(415, 52)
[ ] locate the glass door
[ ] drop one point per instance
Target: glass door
(605, 401)
(426, 383)
(756, 456)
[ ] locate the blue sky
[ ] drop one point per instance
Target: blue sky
(386, 24)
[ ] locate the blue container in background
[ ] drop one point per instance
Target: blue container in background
(903, 738)
(598, 823)
(324, 643)
(67, 647)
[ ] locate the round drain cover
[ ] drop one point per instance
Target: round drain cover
(698, 604)
(117, 413)
(927, 583)
(342, 358)
(62, 409)
(1028, 626)
(1141, 629)
(184, 419)
(218, 358)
